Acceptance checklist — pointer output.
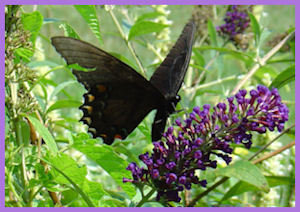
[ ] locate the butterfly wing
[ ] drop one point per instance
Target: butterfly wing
(118, 97)
(169, 76)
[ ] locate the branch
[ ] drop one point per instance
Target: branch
(262, 62)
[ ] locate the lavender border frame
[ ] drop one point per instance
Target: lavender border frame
(130, 2)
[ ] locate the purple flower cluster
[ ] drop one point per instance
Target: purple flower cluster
(204, 136)
(236, 22)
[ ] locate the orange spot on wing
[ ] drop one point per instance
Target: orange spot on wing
(103, 135)
(88, 120)
(91, 98)
(88, 108)
(101, 88)
(118, 136)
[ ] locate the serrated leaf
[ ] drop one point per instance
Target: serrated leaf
(212, 33)
(60, 87)
(44, 133)
(255, 28)
(65, 103)
(145, 27)
(285, 77)
(114, 165)
(69, 31)
(88, 12)
(24, 53)
(247, 172)
(33, 23)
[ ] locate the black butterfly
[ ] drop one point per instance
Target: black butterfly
(118, 97)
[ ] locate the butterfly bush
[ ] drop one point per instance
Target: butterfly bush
(236, 22)
(204, 136)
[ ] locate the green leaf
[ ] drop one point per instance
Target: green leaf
(77, 67)
(69, 31)
(280, 180)
(114, 165)
(33, 23)
(7, 121)
(247, 172)
(65, 103)
(242, 187)
(123, 59)
(212, 33)
(43, 63)
(24, 53)
(70, 173)
(255, 28)
(263, 72)
(151, 15)
(68, 196)
(285, 77)
(199, 59)
(61, 87)
(112, 203)
(292, 45)
(94, 190)
(23, 131)
(239, 55)
(44, 133)
(88, 12)
(145, 27)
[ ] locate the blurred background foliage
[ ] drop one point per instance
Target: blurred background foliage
(52, 92)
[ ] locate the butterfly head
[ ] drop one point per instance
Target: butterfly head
(172, 104)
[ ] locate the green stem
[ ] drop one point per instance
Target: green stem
(145, 198)
(272, 141)
(198, 87)
(262, 62)
(12, 188)
(130, 47)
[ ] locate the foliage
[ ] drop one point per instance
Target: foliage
(51, 160)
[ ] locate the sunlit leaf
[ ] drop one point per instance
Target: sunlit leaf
(285, 77)
(65, 103)
(33, 23)
(89, 14)
(145, 27)
(114, 165)
(44, 133)
(247, 172)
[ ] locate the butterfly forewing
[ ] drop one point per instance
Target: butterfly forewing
(169, 75)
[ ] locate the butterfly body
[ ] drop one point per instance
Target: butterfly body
(118, 97)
